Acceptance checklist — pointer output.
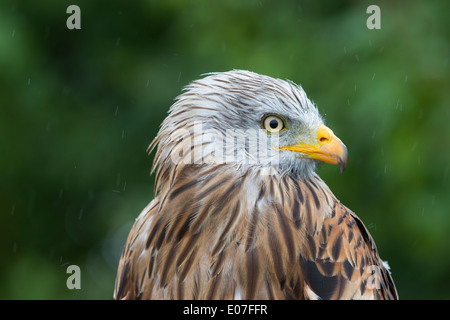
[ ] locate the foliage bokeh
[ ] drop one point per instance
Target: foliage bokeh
(79, 108)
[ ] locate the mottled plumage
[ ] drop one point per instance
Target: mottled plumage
(259, 226)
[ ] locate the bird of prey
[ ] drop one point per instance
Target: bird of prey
(239, 211)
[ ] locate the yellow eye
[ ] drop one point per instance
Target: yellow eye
(273, 124)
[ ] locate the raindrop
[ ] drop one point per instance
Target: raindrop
(356, 57)
(348, 101)
(117, 110)
(414, 147)
(29, 81)
(418, 160)
(373, 77)
(345, 50)
(118, 42)
(370, 42)
(91, 194)
(355, 87)
(80, 214)
(406, 78)
(381, 50)
(179, 77)
(124, 186)
(13, 33)
(63, 264)
(118, 178)
(148, 81)
(372, 225)
(116, 191)
(123, 134)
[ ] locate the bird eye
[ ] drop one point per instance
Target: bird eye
(273, 124)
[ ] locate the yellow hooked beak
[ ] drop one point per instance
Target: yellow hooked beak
(328, 148)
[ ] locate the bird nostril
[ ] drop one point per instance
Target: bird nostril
(324, 135)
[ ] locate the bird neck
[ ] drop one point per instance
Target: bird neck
(305, 200)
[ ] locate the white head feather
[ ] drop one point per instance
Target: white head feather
(201, 121)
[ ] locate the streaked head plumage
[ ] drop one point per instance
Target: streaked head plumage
(239, 102)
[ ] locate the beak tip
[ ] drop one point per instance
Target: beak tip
(343, 166)
(343, 161)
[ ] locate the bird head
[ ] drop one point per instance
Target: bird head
(247, 120)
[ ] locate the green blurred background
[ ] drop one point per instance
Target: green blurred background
(79, 108)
